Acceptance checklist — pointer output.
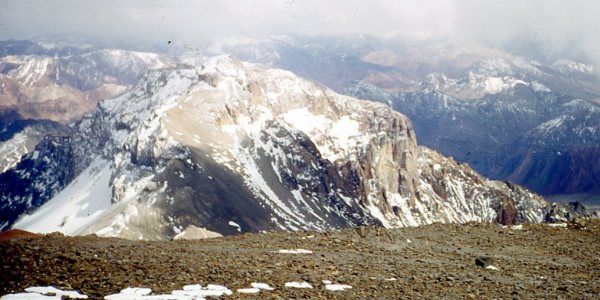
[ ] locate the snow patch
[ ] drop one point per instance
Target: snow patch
(188, 292)
(294, 251)
(44, 292)
(337, 287)
(560, 225)
(262, 286)
(236, 225)
(538, 87)
(248, 291)
(129, 293)
(77, 206)
(298, 285)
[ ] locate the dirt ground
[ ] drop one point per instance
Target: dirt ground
(428, 262)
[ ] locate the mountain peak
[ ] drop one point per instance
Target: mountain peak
(232, 142)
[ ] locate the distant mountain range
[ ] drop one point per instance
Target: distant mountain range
(215, 146)
(508, 116)
(42, 81)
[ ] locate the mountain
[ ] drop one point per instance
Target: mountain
(19, 137)
(63, 89)
(231, 147)
(467, 101)
(334, 61)
(37, 177)
(509, 117)
(559, 155)
(48, 83)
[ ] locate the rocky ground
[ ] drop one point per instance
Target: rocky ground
(428, 262)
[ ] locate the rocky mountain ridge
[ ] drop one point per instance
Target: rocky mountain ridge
(229, 146)
(64, 83)
(485, 99)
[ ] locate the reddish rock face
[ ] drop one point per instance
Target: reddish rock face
(63, 89)
(507, 214)
(17, 233)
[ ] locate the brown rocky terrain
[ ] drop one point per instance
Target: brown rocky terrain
(427, 262)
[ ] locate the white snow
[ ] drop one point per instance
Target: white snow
(130, 293)
(32, 70)
(305, 121)
(12, 150)
(77, 206)
(294, 251)
(58, 292)
(334, 139)
(566, 66)
(211, 290)
(343, 130)
(236, 225)
(538, 87)
(41, 292)
(28, 296)
(490, 267)
(495, 85)
(552, 124)
(337, 287)
(262, 286)
(255, 288)
(248, 291)
(188, 292)
(298, 285)
(120, 221)
(562, 225)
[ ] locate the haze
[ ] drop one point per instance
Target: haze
(554, 26)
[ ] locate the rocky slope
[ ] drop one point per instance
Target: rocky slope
(230, 146)
(509, 118)
(20, 137)
(38, 176)
(427, 262)
(43, 86)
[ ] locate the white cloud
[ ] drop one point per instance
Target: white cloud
(554, 23)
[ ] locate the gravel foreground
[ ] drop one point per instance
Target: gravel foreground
(434, 261)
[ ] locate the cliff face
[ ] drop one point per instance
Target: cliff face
(231, 147)
(459, 194)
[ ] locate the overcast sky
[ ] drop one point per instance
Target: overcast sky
(555, 24)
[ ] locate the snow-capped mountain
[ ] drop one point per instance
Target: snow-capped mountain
(509, 117)
(50, 82)
(230, 146)
(559, 156)
(334, 61)
(466, 101)
(20, 137)
(62, 85)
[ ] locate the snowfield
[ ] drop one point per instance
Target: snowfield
(77, 206)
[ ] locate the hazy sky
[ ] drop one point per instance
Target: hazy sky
(554, 24)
